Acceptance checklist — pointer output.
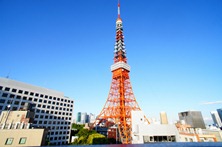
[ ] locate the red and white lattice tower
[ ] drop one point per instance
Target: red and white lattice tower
(121, 100)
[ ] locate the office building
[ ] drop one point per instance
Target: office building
(192, 118)
(163, 118)
(216, 118)
(219, 111)
(52, 109)
(83, 117)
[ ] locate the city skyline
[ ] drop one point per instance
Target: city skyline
(173, 48)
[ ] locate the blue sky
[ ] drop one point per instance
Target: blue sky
(174, 48)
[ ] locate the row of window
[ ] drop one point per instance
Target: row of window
(59, 138)
(9, 141)
(6, 95)
(51, 122)
(52, 112)
(33, 94)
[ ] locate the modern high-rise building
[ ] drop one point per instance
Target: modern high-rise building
(219, 111)
(163, 118)
(83, 117)
(216, 118)
(52, 109)
(192, 118)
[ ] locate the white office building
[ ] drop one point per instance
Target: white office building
(52, 109)
(142, 132)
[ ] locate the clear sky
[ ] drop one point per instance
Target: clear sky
(174, 48)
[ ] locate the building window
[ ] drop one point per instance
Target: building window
(36, 94)
(30, 99)
(14, 90)
(22, 140)
(31, 93)
(12, 95)
(7, 89)
(26, 92)
(2, 101)
(24, 98)
(16, 102)
(20, 91)
(4, 95)
(41, 95)
(18, 97)
(1, 87)
(9, 141)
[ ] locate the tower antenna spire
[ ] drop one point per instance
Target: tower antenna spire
(118, 8)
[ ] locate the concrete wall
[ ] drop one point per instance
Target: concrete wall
(34, 137)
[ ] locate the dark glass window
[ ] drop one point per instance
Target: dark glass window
(14, 90)
(12, 95)
(2, 101)
(24, 98)
(40, 100)
(7, 89)
(16, 102)
(35, 99)
(41, 95)
(23, 103)
(1, 87)
(5, 95)
(18, 97)
(20, 91)
(26, 92)
(31, 93)
(36, 94)
(30, 99)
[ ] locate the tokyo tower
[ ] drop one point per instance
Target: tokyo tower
(121, 100)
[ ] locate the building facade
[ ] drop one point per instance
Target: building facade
(216, 118)
(219, 111)
(15, 130)
(163, 118)
(83, 117)
(52, 109)
(148, 133)
(192, 118)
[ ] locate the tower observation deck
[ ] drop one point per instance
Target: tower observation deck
(121, 100)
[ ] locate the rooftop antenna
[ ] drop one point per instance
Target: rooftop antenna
(118, 8)
(8, 75)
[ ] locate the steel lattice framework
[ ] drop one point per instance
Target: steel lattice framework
(121, 100)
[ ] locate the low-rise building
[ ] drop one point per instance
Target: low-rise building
(16, 130)
(190, 134)
(143, 132)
